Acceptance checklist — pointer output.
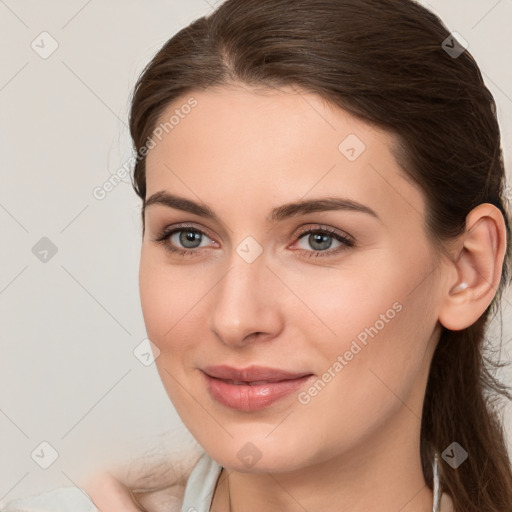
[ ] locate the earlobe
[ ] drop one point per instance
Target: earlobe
(479, 265)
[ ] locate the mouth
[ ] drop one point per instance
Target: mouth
(252, 374)
(253, 388)
(253, 383)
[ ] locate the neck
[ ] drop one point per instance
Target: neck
(375, 476)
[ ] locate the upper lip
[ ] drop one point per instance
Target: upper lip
(251, 373)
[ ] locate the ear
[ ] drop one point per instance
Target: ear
(477, 265)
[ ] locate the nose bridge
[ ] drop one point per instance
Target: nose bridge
(243, 304)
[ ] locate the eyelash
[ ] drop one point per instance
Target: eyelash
(165, 234)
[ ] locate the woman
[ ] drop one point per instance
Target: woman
(325, 238)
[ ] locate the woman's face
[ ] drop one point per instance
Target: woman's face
(259, 283)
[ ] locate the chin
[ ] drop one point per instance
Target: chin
(244, 456)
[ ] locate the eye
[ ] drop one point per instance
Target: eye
(320, 240)
(189, 241)
(183, 240)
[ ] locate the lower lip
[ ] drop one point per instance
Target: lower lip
(244, 397)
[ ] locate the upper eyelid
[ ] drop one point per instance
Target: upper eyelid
(322, 227)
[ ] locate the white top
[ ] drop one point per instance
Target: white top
(200, 485)
(63, 499)
(198, 495)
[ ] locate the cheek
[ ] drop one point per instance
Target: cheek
(174, 304)
(366, 379)
(379, 325)
(345, 305)
(166, 297)
(384, 298)
(154, 296)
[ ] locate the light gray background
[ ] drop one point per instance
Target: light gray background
(69, 326)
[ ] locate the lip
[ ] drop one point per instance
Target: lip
(251, 373)
(252, 394)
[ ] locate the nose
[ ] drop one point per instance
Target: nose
(245, 304)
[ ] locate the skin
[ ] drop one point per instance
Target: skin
(108, 493)
(355, 445)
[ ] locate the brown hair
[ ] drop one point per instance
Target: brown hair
(385, 62)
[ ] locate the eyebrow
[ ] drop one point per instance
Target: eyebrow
(277, 214)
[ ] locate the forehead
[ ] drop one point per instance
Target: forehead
(245, 119)
(242, 144)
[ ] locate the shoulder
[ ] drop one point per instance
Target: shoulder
(103, 494)
(57, 500)
(191, 481)
(193, 491)
(109, 493)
